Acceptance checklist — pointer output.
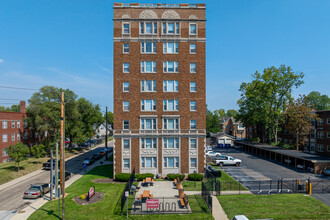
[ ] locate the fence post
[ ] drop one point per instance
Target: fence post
(259, 185)
(281, 184)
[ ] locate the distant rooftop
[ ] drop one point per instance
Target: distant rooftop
(158, 5)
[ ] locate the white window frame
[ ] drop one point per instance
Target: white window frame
(192, 107)
(4, 124)
(143, 123)
(4, 152)
(190, 164)
(176, 26)
(124, 88)
(129, 27)
(191, 70)
(125, 48)
(153, 162)
(191, 128)
(129, 163)
(153, 30)
(144, 64)
(153, 105)
(176, 143)
(129, 143)
(4, 138)
(175, 47)
(126, 106)
(12, 124)
(175, 105)
(124, 125)
(144, 47)
(176, 123)
(176, 162)
(13, 137)
(191, 50)
(143, 143)
(320, 147)
(166, 85)
(18, 136)
(191, 87)
(320, 122)
(175, 66)
(124, 71)
(196, 143)
(18, 124)
(145, 83)
(190, 24)
(319, 134)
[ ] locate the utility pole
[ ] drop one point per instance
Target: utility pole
(51, 175)
(62, 142)
(56, 172)
(106, 132)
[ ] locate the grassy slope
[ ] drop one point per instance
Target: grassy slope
(290, 206)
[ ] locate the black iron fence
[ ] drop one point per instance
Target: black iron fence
(127, 188)
(207, 192)
(319, 186)
(212, 182)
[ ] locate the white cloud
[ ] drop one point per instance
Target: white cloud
(1, 60)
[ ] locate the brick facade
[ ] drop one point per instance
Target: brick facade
(185, 15)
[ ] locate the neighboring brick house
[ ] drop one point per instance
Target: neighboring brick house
(232, 127)
(159, 88)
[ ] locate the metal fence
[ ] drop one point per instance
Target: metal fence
(212, 182)
(207, 194)
(320, 186)
(127, 188)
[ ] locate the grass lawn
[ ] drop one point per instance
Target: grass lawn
(284, 206)
(109, 206)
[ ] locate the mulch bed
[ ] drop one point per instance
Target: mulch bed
(97, 197)
(106, 180)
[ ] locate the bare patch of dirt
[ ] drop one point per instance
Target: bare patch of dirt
(97, 197)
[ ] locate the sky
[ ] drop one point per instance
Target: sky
(68, 44)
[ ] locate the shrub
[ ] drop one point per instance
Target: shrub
(83, 196)
(174, 176)
(141, 177)
(196, 177)
(122, 177)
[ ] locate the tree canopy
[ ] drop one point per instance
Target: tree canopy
(17, 153)
(13, 108)
(318, 101)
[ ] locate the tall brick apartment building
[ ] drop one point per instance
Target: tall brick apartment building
(159, 88)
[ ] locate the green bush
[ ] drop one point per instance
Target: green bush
(83, 196)
(174, 176)
(122, 177)
(196, 177)
(141, 177)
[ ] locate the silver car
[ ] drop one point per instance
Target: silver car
(36, 190)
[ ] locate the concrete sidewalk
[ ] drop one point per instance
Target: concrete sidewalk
(217, 211)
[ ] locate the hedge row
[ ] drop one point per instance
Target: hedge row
(124, 177)
(141, 177)
(196, 177)
(174, 176)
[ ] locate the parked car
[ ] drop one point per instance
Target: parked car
(88, 161)
(47, 165)
(310, 169)
(212, 154)
(97, 156)
(228, 160)
(240, 217)
(67, 177)
(102, 152)
(208, 148)
(36, 190)
(326, 172)
(221, 157)
(85, 145)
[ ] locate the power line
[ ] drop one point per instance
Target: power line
(10, 87)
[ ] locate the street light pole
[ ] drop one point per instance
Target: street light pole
(62, 142)
(106, 132)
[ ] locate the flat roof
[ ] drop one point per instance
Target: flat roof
(291, 153)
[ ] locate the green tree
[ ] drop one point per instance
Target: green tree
(264, 99)
(231, 113)
(212, 122)
(110, 118)
(220, 113)
(298, 119)
(18, 153)
(38, 151)
(15, 108)
(318, 101)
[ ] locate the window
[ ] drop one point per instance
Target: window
(320, 147)
(25, 124)
(193, 143)
(312, 121)
(148, 86)
(328, 148)
(328, 134)
(148, 66)
(148, 47)
(25, 136)
(148, 143)
(126, 67)
(171, 162)
(18, 136)
(148, 28)
(193, 106)
(126, 143)
(4, 124)
(126, 106)
(126, 86)
(320, 134)
(126, 163)
(171, 28)
(328, 120)
(312, 133)
(12, 124)
(126, 124)
(312, 147)
(171, 86)
(193, 162)
(18, 124)
(171, 105)
(192, 29)
(192, 67)
(4, 138)
(192, 124)
(171, 47)
(125, 48)
(148, 162)
(170, 123)
(148, 105)
(193, 87)
(4, 152)
(148, 124)
(171, 143)
(171, 66)
(126, 28)
(12, 137)
(320, 122)
(192, 48)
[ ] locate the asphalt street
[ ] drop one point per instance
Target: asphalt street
(12, 197)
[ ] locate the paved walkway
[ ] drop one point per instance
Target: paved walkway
(217, 211)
